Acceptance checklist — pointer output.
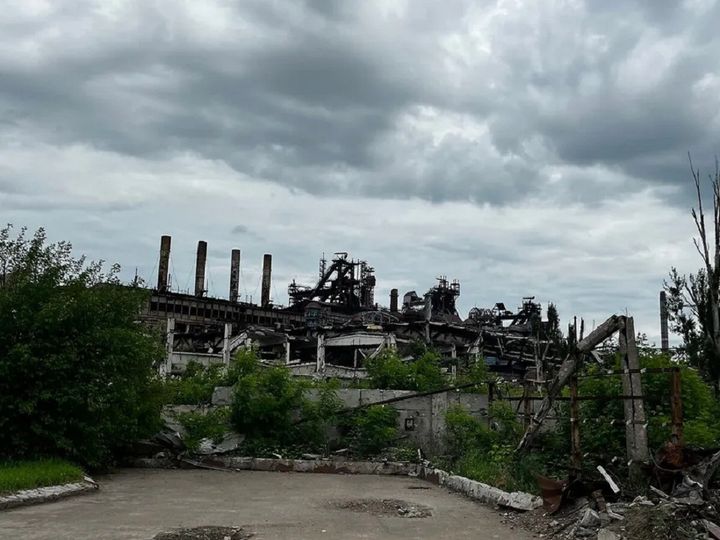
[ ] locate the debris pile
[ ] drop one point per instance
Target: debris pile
(383, 507)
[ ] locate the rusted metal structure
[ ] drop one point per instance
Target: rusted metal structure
(345, 286)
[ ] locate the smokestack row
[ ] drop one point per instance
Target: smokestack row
(200, 266)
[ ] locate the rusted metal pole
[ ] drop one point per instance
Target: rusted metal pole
(676, 408)
(575, 453)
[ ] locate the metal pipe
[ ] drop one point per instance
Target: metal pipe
(234, 275)
(164, 265)
(266, 280)
(200, 268)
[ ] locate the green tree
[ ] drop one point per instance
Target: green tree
(76, 368)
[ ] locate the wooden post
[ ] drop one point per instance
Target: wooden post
(575, 454)
(635, 427)
(676, 408)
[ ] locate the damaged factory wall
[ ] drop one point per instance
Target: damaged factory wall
(421, 419)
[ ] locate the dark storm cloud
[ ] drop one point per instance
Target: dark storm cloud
(328, 97)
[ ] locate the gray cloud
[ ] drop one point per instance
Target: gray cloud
(317, 96)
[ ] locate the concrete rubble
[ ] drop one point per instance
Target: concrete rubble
(46, 494)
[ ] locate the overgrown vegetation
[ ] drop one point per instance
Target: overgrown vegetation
(388, 371)
(18, 475)
(485, 453)
(602, 428)
(195, 385)
(198, 425)
(371, 429)
(77, 377)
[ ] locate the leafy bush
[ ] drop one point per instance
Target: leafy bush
(212, 424)
(77, 375)
(270, 407)
(372, 429)
(477, 373)
(465, 434)
(388, 371)
(195, 385)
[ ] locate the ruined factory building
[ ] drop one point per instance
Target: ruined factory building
(332, 327)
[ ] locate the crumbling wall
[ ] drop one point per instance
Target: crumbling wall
(421, 419)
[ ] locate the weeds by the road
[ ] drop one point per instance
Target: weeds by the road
(17, 475)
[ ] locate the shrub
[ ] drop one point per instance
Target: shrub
(388, 371)
(372, 429)
(270, 407)
(465, 434)
(195, 385)
(212, 424)
(77, 376)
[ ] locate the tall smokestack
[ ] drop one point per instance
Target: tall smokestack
(394, 300)
(266, 277)
(162, 284)
(234, 274)
(200, 268)
(664, 340)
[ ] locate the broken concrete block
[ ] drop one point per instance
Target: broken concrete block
(523, 501)
(222, 395)
(590, 519)
(607, 534)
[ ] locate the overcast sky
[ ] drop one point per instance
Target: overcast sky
(525, 148)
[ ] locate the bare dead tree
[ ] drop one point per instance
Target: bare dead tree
(699, 294)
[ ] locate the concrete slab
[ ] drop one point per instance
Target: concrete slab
(139, 503)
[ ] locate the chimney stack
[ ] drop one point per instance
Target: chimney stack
(200, 268)
(393, 301)
(266, 277)
(234, 275)
(162, 284)
(664, 340)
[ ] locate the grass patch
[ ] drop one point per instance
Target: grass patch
(17, 475)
